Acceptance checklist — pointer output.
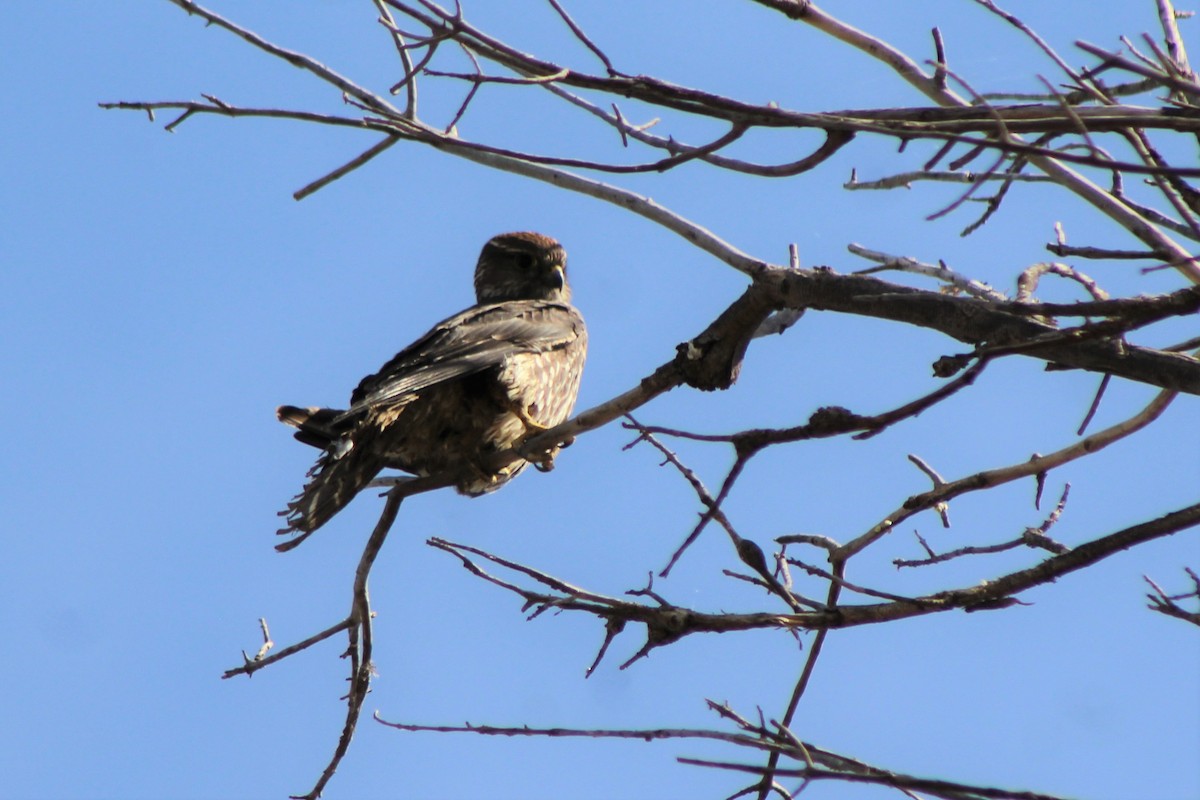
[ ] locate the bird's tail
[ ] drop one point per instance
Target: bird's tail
(341, 472)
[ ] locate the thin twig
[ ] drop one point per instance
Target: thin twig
(360, 638)
(995, 477)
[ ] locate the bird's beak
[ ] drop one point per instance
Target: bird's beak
(558, 276)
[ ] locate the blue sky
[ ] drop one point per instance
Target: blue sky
(161, 293)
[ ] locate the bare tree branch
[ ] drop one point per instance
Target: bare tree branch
(1079, 133)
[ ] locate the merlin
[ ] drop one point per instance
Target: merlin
(478, 383)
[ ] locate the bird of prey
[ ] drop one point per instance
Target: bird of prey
(478, 383)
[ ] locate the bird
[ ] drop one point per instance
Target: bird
(476, 384)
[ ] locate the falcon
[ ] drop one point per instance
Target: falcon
(478, 383)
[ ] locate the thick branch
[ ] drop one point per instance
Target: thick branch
(978, 321)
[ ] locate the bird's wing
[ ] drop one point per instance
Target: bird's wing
(477, 339)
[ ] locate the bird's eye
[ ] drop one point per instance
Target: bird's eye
(524, 261)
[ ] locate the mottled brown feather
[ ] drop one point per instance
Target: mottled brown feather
(477, 383)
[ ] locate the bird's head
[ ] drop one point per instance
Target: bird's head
(522, 266)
